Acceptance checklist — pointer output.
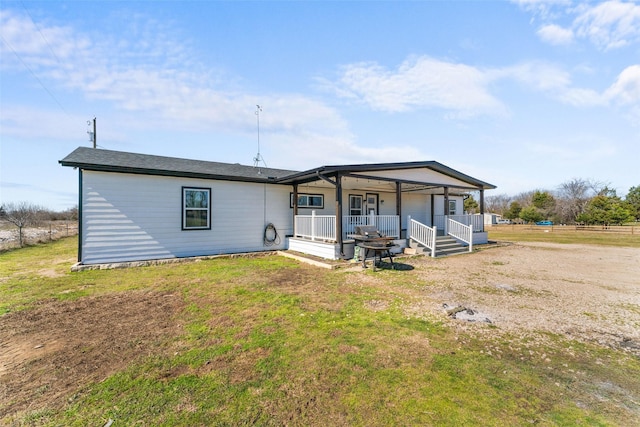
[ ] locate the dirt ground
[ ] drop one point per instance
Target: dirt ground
(589, 293)
(54, 350)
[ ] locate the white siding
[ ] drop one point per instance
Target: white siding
(329, 200)
(439, 205)
(136, 217)
(418, 206)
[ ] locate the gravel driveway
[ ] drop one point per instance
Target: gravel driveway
(587, 292)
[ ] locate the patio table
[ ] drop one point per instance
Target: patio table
(380, 246)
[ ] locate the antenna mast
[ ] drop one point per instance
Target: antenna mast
(258, 158)
(92, 135)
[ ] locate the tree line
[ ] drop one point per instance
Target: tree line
(26, 214)
(578, 201)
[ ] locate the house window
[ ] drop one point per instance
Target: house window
(196, 208)
(452, 207)
(315, 201)
(355, 205)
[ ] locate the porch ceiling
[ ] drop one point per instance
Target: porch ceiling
(377, 185)
(427, 177)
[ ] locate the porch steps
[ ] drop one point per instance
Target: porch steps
(445, 246)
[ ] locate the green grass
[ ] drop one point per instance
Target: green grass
(558, 234)
(268, 341)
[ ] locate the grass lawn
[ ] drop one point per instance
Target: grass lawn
(560, 234)
(268, 341)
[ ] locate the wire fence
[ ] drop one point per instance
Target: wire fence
(619, 229)
(47, 231)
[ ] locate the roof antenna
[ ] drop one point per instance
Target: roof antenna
(92, 135)
(258, 158)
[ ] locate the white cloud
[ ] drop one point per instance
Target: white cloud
(419, 82)
(556, 35)
(557, 83)
(581, 97)
(152, 86)
(538, 75)
(464, 91)
(610, 25)
(626, 89)
(142, 72)
(542, 8)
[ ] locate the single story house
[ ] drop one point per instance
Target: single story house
(143, 207)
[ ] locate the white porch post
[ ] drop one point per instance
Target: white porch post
(446, 210)
(433, 241)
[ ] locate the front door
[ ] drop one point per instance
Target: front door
(372, 204)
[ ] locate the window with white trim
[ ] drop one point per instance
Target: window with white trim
(196, 208)
(452, 207)
(315, 201)
(355, 205)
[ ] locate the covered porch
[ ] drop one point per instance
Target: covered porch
(328, 203)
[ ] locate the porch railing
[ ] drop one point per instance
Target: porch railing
(315, 227)
(389, 225)
(423, 234)
(461, 232)
(477, 221)
(323, 227)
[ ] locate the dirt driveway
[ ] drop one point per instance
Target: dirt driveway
(586, 292)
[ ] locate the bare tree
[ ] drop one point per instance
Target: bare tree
(525, 199)
(573, 197)
(497, 204)
(21, 214)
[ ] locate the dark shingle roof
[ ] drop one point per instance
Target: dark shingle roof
(119, 161)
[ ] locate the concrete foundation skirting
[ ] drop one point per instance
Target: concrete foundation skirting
(308, 260)
(150, 262)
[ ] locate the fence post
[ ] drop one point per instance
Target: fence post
(471, 238)
(313, 225)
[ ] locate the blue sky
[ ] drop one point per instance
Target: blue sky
(522, 94)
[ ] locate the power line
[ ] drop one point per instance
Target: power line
(34, 75)
(44, 38)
